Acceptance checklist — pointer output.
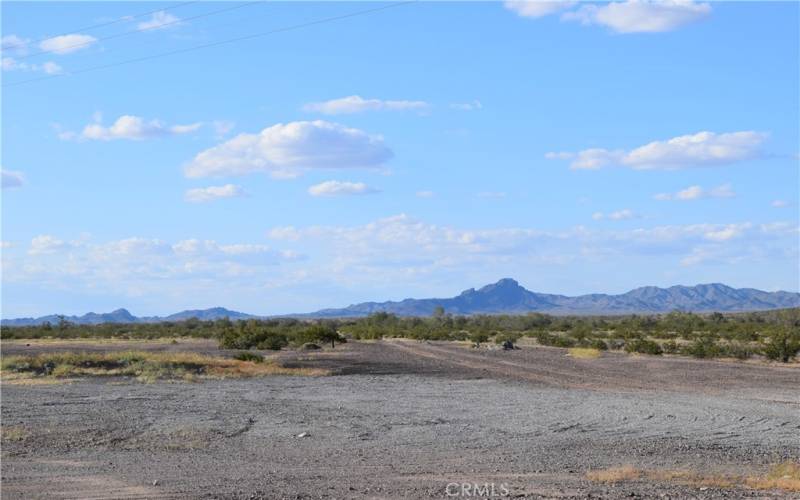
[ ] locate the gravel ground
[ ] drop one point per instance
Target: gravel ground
(405, 420)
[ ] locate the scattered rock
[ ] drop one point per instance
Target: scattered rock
(303, 434)
(155, 482)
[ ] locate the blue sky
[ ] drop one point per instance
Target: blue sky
(413, 151)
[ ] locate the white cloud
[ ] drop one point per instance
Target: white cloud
(132, 128)
(623, 214)
(51, 68)
(536, 9)
(159, 20)
(698, 192)
(136, 265)
(65, 44)
(403, 248)
(6, 244)
(696, 150)
(288, 150)
(44, 244)
(425, 194)
(630, 16)
(210, 193)
(222, 128)
(339, 188)
(12, 179)
(473, 105)
(640, 16)
(779, 203)
(727, 232)
(13, 44)
(48, 67)
(357, 104)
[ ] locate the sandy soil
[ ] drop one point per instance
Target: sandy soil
(402, 419)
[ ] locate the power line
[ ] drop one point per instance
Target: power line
(95, 26)
(215, 44)
(140, 30)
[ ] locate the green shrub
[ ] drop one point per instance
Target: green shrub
(598, 344)
(248, 356)
(782, 345)
(478, 337)
(703, 347)
(738, 350)
(670, 347)
(643, 346)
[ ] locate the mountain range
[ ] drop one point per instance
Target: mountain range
(504, 297)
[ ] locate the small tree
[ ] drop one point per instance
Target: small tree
(324, 332)
(782, 345)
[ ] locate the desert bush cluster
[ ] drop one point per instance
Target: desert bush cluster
(145, 366)
(774, 335)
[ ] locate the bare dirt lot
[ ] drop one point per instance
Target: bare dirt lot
(403, 419)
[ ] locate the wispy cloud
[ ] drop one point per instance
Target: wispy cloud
(624, 214)
(159, 20)
(686, 151)
(288, 150)
(66, 44)
(473, 105)
(211, 193)
(698, 192)
(357, 104)
(340, 188)
(631, 16)
(12, 179)
(130, 127)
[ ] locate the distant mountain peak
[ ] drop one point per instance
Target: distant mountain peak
(506, 296)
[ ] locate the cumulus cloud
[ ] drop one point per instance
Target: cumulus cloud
(631, 16)
(698, 192)
(12, 179)
(640, 16)
(695, 150)
(131, 128)
(159, 20)
(142, 265)
(404, 247)
(65, 44)
(211, 193)
(288, 150)
(425, 194)
(473, 105)
(340, 188)
(357, 104)
(779, 203)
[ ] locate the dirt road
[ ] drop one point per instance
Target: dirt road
(406, 420)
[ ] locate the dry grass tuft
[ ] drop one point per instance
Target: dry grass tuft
(25, 379)
(583, 352)
(14, 433)
(614, 474)
(785, 476)
(689, 478)
(145, 366)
